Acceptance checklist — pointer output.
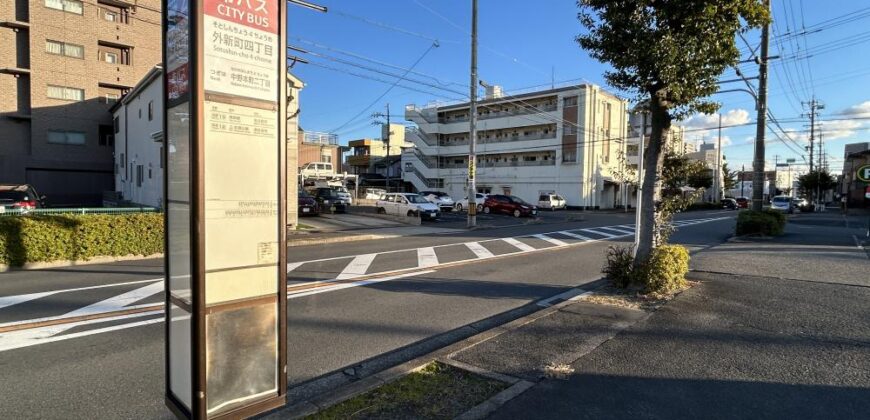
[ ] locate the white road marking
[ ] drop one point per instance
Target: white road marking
(118, 302)
(294, 265)
(26, 338)
(357, 267)
(479, 250)
(426, 257)
(62, 317)
(605, 234)
(622, 231)
(553, 241)
(341, 286)
(14, 300)
(572, 294)
(522, 246)
(576, 236)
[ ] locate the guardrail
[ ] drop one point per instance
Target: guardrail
(82, 210)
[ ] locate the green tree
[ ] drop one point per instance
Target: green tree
(679, 171)
(729, 178)
(668, 54)
(816, 180)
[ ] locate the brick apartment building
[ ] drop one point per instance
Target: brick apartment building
(63, 63)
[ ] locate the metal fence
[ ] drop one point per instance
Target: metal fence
(83, 210)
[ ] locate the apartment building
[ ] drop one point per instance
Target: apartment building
(563, 140)
(63, 64)
(364, 153)
(319, 147)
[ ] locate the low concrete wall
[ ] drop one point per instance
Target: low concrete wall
(69, 263)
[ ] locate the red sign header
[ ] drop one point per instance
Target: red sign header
(257, 14)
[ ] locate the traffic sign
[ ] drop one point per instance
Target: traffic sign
(863, 173)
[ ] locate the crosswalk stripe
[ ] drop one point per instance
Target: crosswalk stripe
(479, 250)
(621, 231)
(522, 246)
(426, 257)
(357, 267)
(118, 302)
(294, 265)
(14, 300)
(605, 234)
(575, 236)
(553, 241)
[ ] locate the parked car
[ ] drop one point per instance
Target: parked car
(552, 201)
(308, 205)
(20, 197)
(479, 198)
(801, 204)
(407, 204)
(375, 193)
(782, 203)
(730, 204)
(743, 202)
(344, 194)
(508, 204)
(441, 199)
(329, 200)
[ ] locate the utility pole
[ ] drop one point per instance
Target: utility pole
(814, 106)
(758, 163)
(819, 169)
(637, 212)
(743, 181)
(472, 122)
(385, 135)
(718, 175)
(775, 167)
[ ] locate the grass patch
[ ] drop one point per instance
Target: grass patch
(633, 299)
(438, 391)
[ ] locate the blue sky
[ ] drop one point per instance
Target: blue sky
(526, 43)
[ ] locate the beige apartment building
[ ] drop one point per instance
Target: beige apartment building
(63, 64)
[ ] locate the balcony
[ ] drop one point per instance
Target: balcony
(325, 139)
(359, 160)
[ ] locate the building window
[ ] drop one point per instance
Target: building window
(69, 6)
(74, 138)
(568, 129)
(62, 48)
(150, 110)
(569, 101)
(140, 171)
(569, 156)
(65, 93)
(110, 57)
(114, 54)
(110, 16)
(107, 136)
(116, 124)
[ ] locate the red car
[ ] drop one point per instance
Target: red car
(509, 204)
(742, 202)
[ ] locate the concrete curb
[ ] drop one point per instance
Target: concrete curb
(337, 239)
(74, 263)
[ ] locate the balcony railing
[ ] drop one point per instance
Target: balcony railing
(507, 164)
(502, 139)
(320, 138)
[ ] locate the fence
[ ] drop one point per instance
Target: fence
(83, 210)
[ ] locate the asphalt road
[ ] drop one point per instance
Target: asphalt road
(114, 368)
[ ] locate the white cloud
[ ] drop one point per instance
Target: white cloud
(861, 109)
(711, 121)
(832, 130)
(726, 141)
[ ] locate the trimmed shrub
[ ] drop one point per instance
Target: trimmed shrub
(765, 222)
(704, 206)
(44, 238)
(665, 272)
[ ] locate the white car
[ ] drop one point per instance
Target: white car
(317, 169)
(782, 203)
(407, 204)
(441, 199)
(552, 201)
(343, 194)
(479, 198)
(374, 193)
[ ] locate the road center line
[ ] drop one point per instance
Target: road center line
(14, 300)
(118, 302)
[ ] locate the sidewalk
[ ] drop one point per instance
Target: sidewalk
(785, 334)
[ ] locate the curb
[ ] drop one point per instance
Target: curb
(74, 263)
(334, 388)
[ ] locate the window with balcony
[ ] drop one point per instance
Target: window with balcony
(74, 138)
(569, 101)
(107, 136)
(65, 93)
(69, 6)
(568, 129)
(65, 49)
(114, 54)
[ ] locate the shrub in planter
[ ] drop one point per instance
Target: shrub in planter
(766, 222)
(665, 272)
(44, 238)
(619, 268)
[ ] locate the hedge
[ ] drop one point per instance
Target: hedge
(45, 238)
(765, 222)
(704, 206)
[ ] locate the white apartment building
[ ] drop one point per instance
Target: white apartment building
(674, 142)
(138, 131)
(564, 140)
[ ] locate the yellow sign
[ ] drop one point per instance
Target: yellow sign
(863, 173)
(471, 168)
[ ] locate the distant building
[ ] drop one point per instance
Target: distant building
(564, 140)
(856, 155)
(63, 64)
(319, 147)
(365, 152)
(139, 142)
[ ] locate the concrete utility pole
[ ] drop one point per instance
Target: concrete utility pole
(814, 106)
(472, 122)
(758, 162)
(386, 138)
(718, 175)
(637, 212)
(775, 168)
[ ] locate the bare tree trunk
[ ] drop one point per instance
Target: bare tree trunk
(653, 160)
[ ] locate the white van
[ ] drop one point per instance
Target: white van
(551, 201)
(314, 169)
(406, 204)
